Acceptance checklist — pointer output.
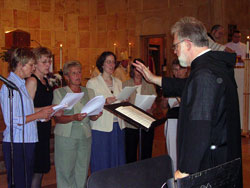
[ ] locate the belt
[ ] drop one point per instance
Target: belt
(214, 147)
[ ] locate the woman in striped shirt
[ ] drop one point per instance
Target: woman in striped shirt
(24, 129)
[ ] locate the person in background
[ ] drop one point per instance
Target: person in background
(239, 47)
(122, 68)
(216, 34)
(170, 129)
(208, 132)
(24, 130)
(72, 132)
(122, 71)
(42, 95)
(131, 132)
(108, 142)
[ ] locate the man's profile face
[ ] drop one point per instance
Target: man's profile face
(236, 37)
(179, 51)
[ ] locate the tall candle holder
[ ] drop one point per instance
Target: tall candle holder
(247, 53)
(61, 54)
(129, 49)
(115, 45)
(61, 71)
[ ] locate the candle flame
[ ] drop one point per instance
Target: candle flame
(248, 37)
(130, 44)
(114, 44)
(61, 45)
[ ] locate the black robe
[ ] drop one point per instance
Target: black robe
(209, 113)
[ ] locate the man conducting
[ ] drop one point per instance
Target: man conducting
(208, 131)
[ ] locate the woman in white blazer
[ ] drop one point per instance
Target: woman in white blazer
(108, 148)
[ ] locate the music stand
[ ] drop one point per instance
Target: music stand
(113, 109)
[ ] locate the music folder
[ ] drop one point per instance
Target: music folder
(224, 175)
(134, 115)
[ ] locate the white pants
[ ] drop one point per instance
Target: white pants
(171, 136)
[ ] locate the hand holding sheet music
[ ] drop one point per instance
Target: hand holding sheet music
(69, 100)
(173, 102)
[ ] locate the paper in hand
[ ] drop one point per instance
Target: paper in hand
(126, 92)
(94, 106)
(69, 100)
(173, 102)
(144, 102)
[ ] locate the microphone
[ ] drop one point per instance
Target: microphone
(9, 83)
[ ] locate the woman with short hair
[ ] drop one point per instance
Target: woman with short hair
(72, 131)
(21, 66)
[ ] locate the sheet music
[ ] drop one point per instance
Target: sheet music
(136, 115)
(94, 106)
(125, 93)
(172, 101)
(69, 100)
(144, 102)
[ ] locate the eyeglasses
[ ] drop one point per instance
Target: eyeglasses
(46, 60)
(174, 46)
(109, 62)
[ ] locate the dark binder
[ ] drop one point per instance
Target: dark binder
(224, 175)
(112, 108)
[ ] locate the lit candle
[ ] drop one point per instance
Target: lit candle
(61, 56)
(129, 49)
(247, 55)
(51, 64)
(114, 48)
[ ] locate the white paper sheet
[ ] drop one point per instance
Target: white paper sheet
(144, 102)
(69, 100)
(125, 93)
(94, 106)
(173, 102)
(136, 115)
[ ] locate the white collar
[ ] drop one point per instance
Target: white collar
(205, 51)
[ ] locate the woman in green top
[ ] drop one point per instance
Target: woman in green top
(72, 132)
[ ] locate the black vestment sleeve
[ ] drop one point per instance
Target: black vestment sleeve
(194, 132)
(173, 87)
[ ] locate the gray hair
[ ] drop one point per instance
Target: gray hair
(192, 29)
(70, 64)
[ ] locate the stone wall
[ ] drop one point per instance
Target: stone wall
(88, 27)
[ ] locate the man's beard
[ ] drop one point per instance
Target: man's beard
(182, 59)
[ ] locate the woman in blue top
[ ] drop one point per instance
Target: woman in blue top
(21, 67)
